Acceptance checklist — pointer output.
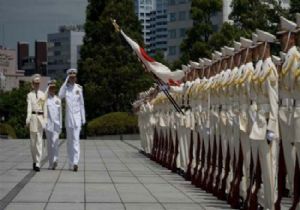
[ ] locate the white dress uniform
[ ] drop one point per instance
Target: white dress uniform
(36, 119)
(74, 119)
(266, 126)
(53, 128)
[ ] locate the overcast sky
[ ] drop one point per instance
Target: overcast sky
(30, 20)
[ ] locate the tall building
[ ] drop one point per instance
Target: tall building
(64, 50)
(41, 57)
(179, 21)
(153, 17)
(23, 53)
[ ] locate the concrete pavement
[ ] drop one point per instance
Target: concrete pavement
(112, 175)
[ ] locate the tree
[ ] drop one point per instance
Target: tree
(13, 109)
(227, 34)
(196, 43)
(294, 8)
(249, 15)
(108, 70)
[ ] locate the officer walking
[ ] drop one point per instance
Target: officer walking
(54, 124)
(75, 116)
(35, 120)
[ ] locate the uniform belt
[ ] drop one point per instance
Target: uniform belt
(287, 102)
(38, 113)
(263, 106)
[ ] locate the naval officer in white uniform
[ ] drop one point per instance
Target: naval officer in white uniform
(75, 116)
(54, 124)
(36, 120)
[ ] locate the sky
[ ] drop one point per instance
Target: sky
(30, 20)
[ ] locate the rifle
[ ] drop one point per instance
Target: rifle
(296, 199)
(171, 153)
(252, 200)
(281, 176)
(220, 167)
(188, 175)
(213, 165)
(153, 152)
(222, 195)
(174, 163)
(206, 174)
(195, 174)
(202, 163)
(235, 192)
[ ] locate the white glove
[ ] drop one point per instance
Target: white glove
(270, 136)
(207, 131)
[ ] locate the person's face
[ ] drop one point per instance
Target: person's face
(72, 78)
(36, 85)
(283, 41)
(52, 90)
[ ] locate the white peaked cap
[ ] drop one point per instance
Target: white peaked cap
(194, 64)
(265, 36)
(223, 51)
(213, 56)
(286, 26)
(246, 43)
(237, 46)
(185, 68)
(36, 78)
(276, 59)
(207, 62)
(218, 55)
(254, 38)
(229, 51)
(72, 70)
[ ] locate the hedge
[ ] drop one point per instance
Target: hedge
(7, 130)
(113, 123)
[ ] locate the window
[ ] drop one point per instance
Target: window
(172, 50)
(172, 2)
(182, 32)
(172, 16)
(182, 15)
(57, 53)
(181, 1)
(172, 34)
(148, 1)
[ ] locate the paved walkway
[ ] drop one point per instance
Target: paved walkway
(112, 175)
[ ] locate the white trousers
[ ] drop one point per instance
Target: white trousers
(52, 147)
(73, 146)
(36, 146)
(268, 157)
(289, 151)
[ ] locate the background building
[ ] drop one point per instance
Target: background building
(64, 50)
(41, 57)
(179, 21)
(11, 77)
(23, 53)
(152, 15)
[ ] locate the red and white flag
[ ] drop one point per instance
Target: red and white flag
(161, 71)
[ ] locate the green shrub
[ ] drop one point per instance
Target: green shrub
(8, 130)
(113, 123)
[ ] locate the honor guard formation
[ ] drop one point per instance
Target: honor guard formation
(237, 133)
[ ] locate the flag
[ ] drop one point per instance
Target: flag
(160, 70)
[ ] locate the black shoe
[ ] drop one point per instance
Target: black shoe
(33, 166)
(37, 169)
(75, 168)
(54, 165)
